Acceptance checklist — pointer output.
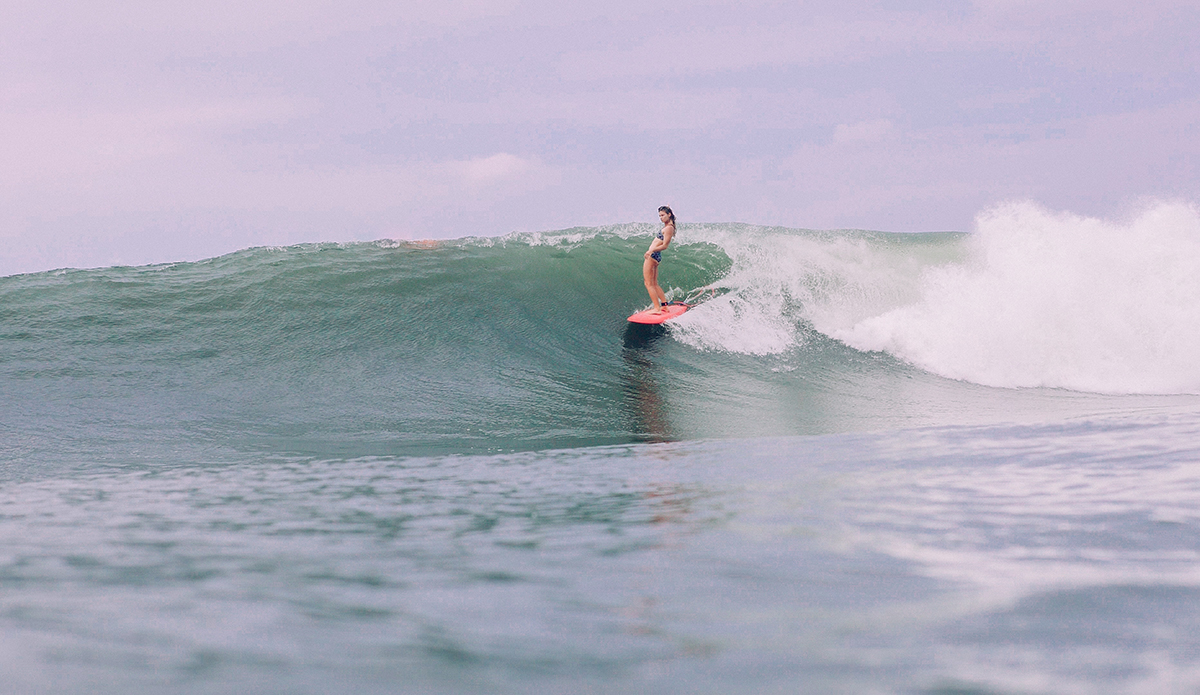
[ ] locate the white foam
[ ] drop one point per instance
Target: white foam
(1056, 300)
(781, 279)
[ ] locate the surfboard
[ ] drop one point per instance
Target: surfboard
(672, 311)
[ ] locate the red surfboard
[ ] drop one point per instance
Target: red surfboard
(670, 311)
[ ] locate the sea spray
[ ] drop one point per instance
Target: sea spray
(784, 281)
(1058, 300)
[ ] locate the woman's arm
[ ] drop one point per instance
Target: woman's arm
(660, 244)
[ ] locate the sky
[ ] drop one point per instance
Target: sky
(142, 131)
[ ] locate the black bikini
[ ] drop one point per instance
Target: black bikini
(657, 255)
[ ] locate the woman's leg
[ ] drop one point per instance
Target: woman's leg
(658, 290)
(650, 276)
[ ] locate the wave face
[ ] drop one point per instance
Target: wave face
(481, 345)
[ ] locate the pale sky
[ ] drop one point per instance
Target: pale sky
(134, 131)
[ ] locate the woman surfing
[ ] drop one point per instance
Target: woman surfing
(653, 257)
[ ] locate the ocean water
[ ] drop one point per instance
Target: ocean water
(864, 462)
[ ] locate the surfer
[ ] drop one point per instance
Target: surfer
(653, 256)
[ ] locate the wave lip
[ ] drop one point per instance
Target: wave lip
(1058, 300)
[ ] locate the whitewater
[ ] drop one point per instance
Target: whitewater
(863, 462)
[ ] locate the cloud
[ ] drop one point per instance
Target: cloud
(55, 147)
(236, 25)
(740, 46)
(864, 131)
(486, 170)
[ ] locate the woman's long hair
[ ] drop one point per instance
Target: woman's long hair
(667, 210)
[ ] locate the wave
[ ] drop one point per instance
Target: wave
(520, 342)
